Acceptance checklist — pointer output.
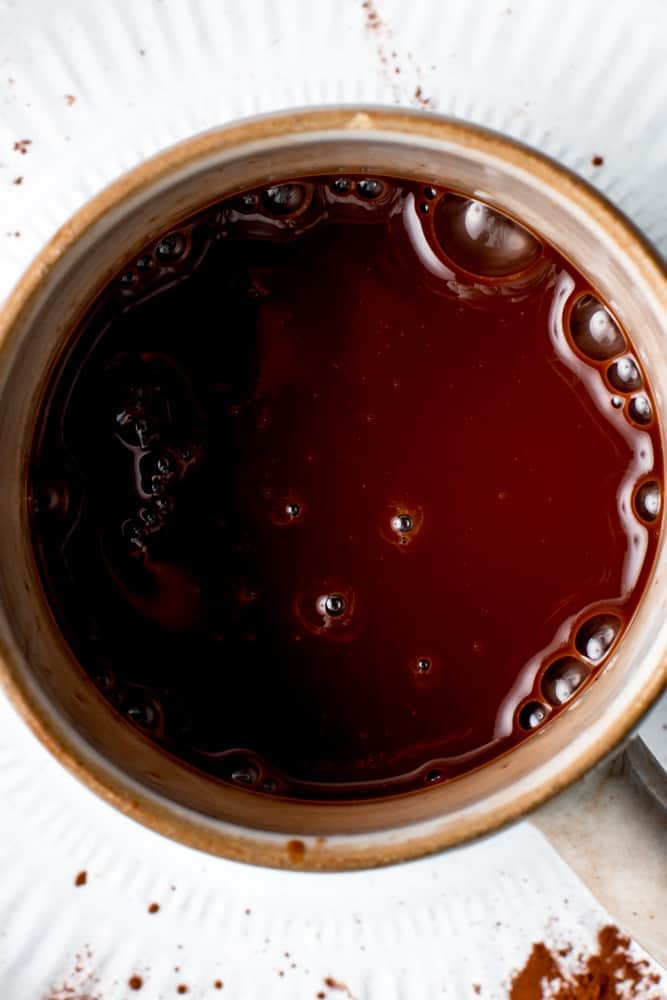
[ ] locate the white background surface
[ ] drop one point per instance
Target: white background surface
(577, 80)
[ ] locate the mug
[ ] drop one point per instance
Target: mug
(38, 670)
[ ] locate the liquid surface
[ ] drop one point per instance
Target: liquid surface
(345, 487)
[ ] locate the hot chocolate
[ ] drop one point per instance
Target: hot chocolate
(345, 486)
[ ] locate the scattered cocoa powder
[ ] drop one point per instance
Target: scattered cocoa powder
(135, 982)
(391, 67)
(321, 995)
(79, 984)
(421, 99)
(182, 988)
(597, 161)
(70, 98)
(334, 984)
(21, 146)
(610, 974)
(477, 988)
(18, 180)
(154, 907)
(218, 984)
(81, 878)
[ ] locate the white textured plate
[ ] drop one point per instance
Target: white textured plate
(88, 90)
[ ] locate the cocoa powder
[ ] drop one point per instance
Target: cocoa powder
(612, 973)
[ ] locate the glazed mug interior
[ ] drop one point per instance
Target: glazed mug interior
(39, 672)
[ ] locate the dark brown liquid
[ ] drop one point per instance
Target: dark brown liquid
(345, 487)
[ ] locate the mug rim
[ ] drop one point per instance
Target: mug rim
(119, 789)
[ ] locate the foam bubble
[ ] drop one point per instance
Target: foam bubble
(171, 247)
(596, 636)
(624, 375)
(562, 679)
(640, 410)
(284, 199)
(402, 523)
(332, 605)
(481, 239)
(594, 330)
(370, 188)
(647, 501)
(532, 715)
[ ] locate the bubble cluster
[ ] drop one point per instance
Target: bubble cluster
(562, 679)
(481, 239)
(594, 330)
(597, 635)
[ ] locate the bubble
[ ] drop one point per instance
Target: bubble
(134, 532)
(142, 714)
(145, 434)
(430, 193)
(624, 375)
(171, 247)
(483, 240)
(532, 715)
(341, 185)
(370, 188)
(332, 605)
(596, 636)
(423, 665)
(640, 409)
(424, 208)
(562, 678)
(285, 508)
(594, 330)
(402, 523)
(103, 678)
(49, 500)
(150, 516)
(647, 501)
(245, 775)
(616, 402)
(270, 785)
(129, 280)
(164, 464)
(434, 775)
(328, 610)
(241, 768)
(145, 263)
(284, 199)
(248, 202)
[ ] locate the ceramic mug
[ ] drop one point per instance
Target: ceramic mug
(37, 668)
